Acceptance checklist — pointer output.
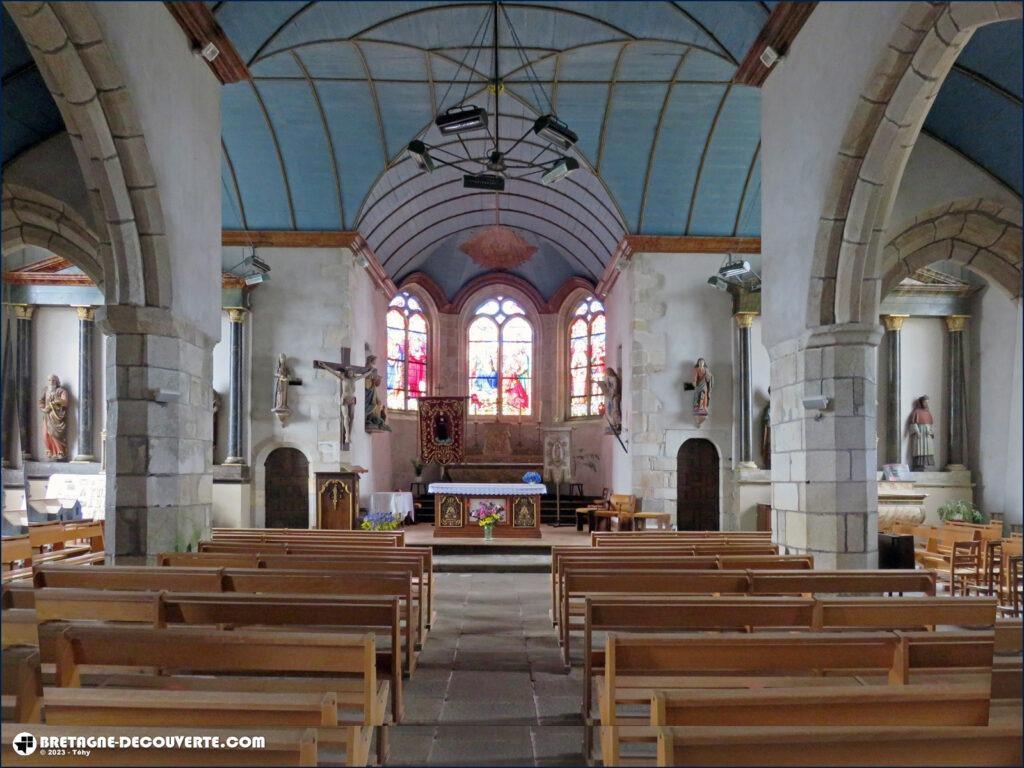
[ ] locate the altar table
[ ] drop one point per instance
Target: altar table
(457, 506)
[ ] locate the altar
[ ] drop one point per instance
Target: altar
(458, 507)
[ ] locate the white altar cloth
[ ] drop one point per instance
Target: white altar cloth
(490, 489)
(398, 503)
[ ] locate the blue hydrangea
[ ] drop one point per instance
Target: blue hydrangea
(531, 477)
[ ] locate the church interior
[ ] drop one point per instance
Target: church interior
(512, 383)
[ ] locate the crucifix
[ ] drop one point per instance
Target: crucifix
(348, 375)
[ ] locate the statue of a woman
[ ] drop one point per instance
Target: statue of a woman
(702, 384)
(611, 386)
(376, 414)
(281, 378)
(54, 405)
(922, 436)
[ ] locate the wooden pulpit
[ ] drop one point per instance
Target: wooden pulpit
(337, 500)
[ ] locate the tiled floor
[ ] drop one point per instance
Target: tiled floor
(490, 688)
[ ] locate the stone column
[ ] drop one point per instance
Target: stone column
(86, 337)
(893, 420)
(235, 454)
(743, 322)
(956, 453)
(824, 488)
(23, 376)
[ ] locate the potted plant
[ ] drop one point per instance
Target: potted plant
(961, 512)
(487, 515)
(417, 467)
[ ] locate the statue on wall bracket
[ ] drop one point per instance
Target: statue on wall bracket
(701, 383)
(282, 380)
(611, 387)
(376, 413)
(54, 405)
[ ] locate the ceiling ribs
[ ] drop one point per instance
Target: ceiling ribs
(418, 81)
(234, 180)
(657, 136)
(280, 156)
(990, 84)
(706, 31)
(376, 100)
(487, 213)
(746, 183)
(969, 159)
(703, 157)
(273, 36)
(397, 209)
(608, 108)
(379, 246)
(429, 69)
(327, 134)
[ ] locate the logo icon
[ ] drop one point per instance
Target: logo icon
(24, 744)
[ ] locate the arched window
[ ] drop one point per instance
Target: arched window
(500, 340)
(586, 358)
(407, 352)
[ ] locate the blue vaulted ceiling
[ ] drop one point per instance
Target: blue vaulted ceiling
(668, 145)
(978, 109)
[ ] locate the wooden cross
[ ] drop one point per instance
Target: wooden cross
(348, 375)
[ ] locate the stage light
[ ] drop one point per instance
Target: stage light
(256, 279)
(461, 120)
(717, 282)
(553, 130)
(734, 269)
(560, 170)
(418, 151)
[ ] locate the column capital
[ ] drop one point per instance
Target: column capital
(744, 319)
(955, 323)
(236, 314)
(24, 311)
(893, 322)
(86, 313)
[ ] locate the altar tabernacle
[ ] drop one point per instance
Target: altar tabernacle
(459, 508)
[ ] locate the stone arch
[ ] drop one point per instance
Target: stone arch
(982, 235)
(31, 217)
(845, 279)
(258, 511)
(80, 71)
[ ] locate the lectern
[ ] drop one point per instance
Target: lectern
(337, 499)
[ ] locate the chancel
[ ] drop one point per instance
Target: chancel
(445, 383)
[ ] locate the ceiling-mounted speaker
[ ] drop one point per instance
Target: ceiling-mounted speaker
(769, 56)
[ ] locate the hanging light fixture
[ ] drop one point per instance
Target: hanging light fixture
(491, 170)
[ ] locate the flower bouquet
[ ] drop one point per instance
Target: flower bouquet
(487, 514)
(379, 521)
(531, 477)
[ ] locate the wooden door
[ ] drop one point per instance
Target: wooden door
(697, 494)
(287, 489)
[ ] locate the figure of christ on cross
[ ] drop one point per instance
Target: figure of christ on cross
(348, 375)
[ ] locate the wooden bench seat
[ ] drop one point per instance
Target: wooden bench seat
(294, 746)
(22, 685)
(839, 745)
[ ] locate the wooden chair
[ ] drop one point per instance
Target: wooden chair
(1013, 582)
(621, 508)
(964, 565)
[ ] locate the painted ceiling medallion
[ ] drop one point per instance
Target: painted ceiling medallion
(498, 247)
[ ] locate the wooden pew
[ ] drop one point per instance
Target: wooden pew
(764, 582)
(255, 580)
(16, 557)
(22, 681)
(190, 651)
(280, 747)
(638, 665)
(308, 612)
(68, 539)
(375, 538)
(840, 745)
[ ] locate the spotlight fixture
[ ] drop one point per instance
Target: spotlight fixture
(418, 151)
(258, 264)
(717, 282)
(461, 119)
(361, 261)
(553, 130)
(256, 279)
(488, 181)
(560, 170)
(734, 269)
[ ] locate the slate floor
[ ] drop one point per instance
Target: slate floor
(490, 688)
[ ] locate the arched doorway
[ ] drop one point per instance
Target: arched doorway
(697, 491)
(287, 489)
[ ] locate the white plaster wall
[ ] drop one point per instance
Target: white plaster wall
(230, 506)
(55, 350)
(806, 105)
(52, 167)
(935, 175)
(177, 100)
(994, 434)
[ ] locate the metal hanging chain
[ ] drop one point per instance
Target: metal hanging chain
(462, 63)
(531, 73)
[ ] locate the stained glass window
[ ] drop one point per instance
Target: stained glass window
(500, 359)
(407, 353)
(586, 358)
